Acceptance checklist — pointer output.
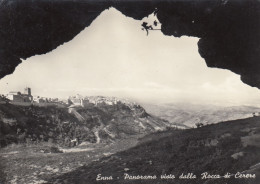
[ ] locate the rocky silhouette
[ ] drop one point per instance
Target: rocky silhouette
(228, 30)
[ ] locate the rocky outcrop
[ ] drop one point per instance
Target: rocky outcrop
(72, 126)
(228, 30)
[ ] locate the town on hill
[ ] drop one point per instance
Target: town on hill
(78, 138)
(27, 99)
(93, 119)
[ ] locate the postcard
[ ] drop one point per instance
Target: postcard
(129, 92)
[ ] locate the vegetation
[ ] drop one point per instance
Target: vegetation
(33, 125)
(209, 149)
(231, 146)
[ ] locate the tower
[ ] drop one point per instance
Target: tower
(27, 91)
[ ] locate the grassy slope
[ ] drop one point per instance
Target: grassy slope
(53, 124)
(179, 152)
(40, 124)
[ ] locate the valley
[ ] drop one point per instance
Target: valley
(71, 126)
(185, 115)
(203, 155)
(124, 143)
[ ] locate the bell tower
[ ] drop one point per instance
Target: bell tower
(27, 91)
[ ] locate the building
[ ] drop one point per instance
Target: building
(102, 100)
(27, 91)
(78, 100)
(39, 99)
(14, 96)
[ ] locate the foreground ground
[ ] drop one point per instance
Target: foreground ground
(39, 163)
(227, 147)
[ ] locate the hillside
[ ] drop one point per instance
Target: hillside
(72, 126)
(231, 146)
(187, 115)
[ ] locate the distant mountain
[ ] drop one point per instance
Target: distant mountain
(189, 114)
(100, 122)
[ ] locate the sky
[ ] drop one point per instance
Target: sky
(115, 57)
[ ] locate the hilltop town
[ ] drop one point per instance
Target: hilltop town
(93, 133)
(27, 99)
(77, 119)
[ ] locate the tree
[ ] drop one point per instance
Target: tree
(199, 125)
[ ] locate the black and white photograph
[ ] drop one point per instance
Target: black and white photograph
(129, 92)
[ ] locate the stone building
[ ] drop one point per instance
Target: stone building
(78, 100)
(14, 96)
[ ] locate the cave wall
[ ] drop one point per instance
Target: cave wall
(228, 30)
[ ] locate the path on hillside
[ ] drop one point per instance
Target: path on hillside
(76, 114)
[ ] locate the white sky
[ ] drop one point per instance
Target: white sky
(114, 57)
